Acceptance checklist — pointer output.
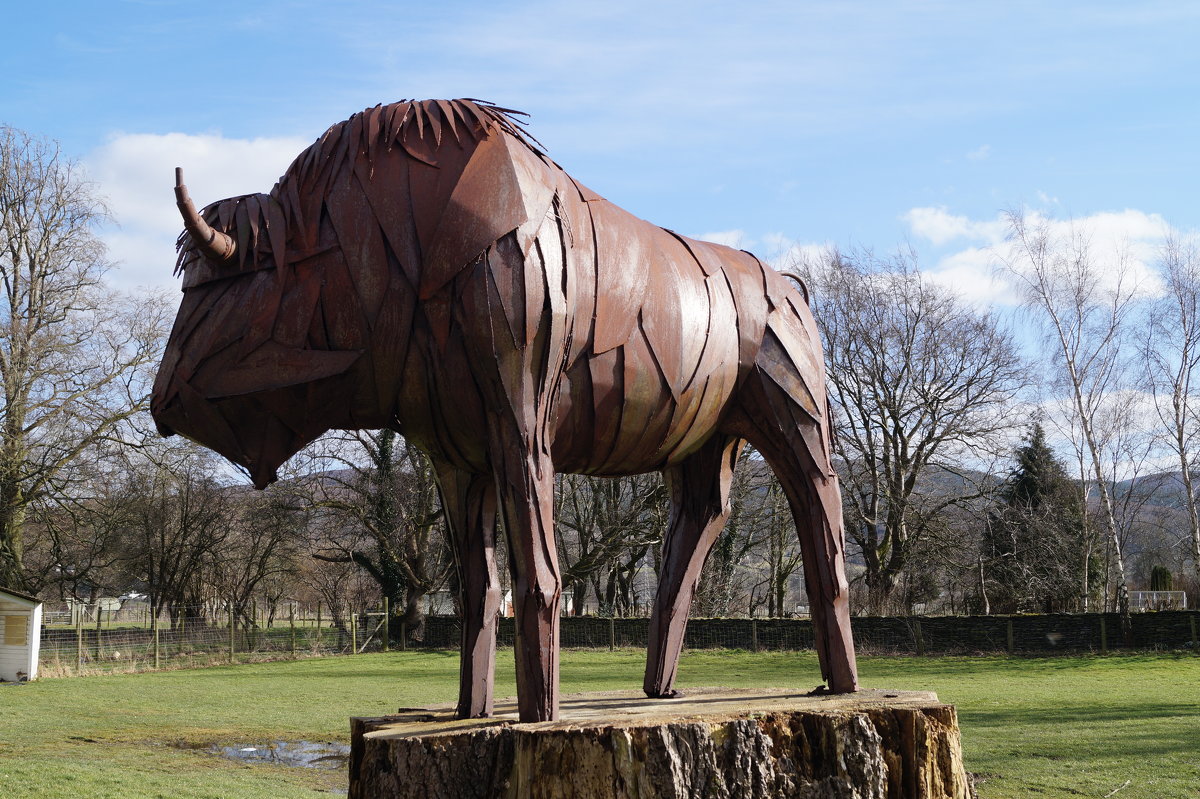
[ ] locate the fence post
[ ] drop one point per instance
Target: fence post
(1010, 635)
(754, 634)
(232, 627)
(250, 631)
(154, 626)
(1195, 642)
(383, 639)
(403, 636)
(612, 633)
(292, 623)
(99, 623)
(319, 635)
(1103, 635)
(353, 633)
(920, 639)
(78, 638)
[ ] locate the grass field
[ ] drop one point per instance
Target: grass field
(1061, 727)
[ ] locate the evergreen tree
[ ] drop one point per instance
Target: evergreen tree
(1035, 548)
(1161, 579)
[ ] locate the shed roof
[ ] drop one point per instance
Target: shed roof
(24, 599)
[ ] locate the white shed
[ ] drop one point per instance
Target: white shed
(20, 635)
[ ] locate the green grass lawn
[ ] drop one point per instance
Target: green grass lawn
(1050, 727)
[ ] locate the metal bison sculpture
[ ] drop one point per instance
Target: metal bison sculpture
(425, 267)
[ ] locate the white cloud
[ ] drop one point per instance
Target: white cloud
(785, 253)
(136, 173)
(980, 153)
(1122, 245)
(939, 226)
(1125, 425)
(780, 251)
(730, 238)
(971, 274)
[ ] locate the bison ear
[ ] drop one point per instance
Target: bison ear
(502, 187)
(273, 366)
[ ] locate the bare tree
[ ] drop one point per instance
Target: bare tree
(921, 383)
(259, 557)
(180, 520)
(382, 512)
(1128, 443)
(726, 584)
(1171, 354)
(74, 535)
(72, 355)
(756, 558)
(1086, 312)
(605, 527)
(780, 548)
(342, 585)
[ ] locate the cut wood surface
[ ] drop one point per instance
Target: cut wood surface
(714, 742)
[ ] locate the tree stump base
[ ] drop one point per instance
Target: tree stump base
(713, 742)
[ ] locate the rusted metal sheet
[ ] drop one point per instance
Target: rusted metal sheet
(424, 266)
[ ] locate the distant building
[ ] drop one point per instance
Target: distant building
(20, 635)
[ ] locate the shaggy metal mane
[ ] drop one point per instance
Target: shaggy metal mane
(415, 127)
(393, 126)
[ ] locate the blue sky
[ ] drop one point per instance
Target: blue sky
(770, 124)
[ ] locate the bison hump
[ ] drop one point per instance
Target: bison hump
(503, 186)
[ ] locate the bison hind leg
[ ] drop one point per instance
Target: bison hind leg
(795, 442)
(699, 491)
(469, 501)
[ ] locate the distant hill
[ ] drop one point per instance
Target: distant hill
(1163, 489)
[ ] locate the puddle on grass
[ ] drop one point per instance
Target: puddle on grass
(300, 754)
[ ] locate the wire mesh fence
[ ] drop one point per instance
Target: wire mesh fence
(90, 638)
(911, 635)
(83, 639)
(1157, 600)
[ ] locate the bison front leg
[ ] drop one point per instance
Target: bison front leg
(469, 501)
(515, 331)
(525, 490)
(699, 490)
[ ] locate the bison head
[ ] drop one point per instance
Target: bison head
(300, 306)
(253, 359)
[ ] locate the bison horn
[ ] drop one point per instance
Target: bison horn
(212, 243)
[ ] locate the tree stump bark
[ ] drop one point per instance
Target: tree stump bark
(713, 743)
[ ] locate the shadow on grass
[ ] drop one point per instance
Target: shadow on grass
(1083, 733)
(431, 663)
(968, 665)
